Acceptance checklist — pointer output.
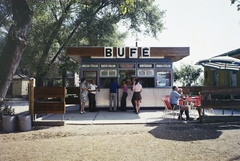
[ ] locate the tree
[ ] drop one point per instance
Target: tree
(57, 24)
(86, 23)
(187, 75)
(5, 22)
(15, 45)
(236, 1)
(68, 65)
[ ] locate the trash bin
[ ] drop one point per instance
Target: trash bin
(8, 123)
(25, 123)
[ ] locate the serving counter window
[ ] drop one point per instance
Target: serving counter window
(127, 75)
(150, 74)
(90, 75)
(146, 77)
(105, 82)
(163, 78)
(105, 77)
(146, 82)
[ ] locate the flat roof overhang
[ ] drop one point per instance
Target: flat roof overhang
(174, 53)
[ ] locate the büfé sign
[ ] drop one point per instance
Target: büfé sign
(132, 52)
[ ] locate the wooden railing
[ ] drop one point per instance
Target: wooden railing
(49, 100)
(221, 97)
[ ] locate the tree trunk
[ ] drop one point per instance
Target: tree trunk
(15, 45)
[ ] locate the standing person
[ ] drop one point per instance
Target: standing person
(132, 100)
(93, 88)
(137, 89)
(83, 95)
(124, 96)
(174, 96)
(113, 95)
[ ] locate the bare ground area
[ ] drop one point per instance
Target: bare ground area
(131, 142)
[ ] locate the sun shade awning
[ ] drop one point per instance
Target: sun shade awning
(221, 63)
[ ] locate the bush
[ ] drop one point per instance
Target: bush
(7, 110)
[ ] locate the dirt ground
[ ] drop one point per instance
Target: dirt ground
(131, 142)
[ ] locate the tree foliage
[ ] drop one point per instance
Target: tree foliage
(85, 23)
(187, 75)
(57, 24)
(234, 2)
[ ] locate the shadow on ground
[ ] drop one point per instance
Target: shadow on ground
(191, 132)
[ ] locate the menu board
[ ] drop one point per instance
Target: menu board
(163, 66)
(108, 65)
(126, 65)
(89, 65)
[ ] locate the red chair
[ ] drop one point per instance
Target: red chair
(168, 108)
(168, 97)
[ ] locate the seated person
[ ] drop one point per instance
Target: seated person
(174, 96)
(199, 109)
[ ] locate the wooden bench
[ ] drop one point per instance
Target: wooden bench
(49, 100)
(73, 96)
(221, 97)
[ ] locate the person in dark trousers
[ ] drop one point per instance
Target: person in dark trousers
(132, 100)
(124, 96)
(93, 88)
(113, 95)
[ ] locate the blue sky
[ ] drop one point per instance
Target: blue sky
(208, 27)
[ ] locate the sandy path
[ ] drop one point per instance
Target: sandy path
(124, 142)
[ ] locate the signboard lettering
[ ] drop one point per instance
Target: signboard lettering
(163, 66)
(108, 52)
(133, 52)
(89, 65)
(108, 65)
(145, 65)
(126, 65)
(145, 52)
(121, 52)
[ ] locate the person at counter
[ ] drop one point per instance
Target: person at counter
(93, 88)
(132, 100)
(124, 95)
(174, 98)
(83, 95)
(137, 89)
(113, 95)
